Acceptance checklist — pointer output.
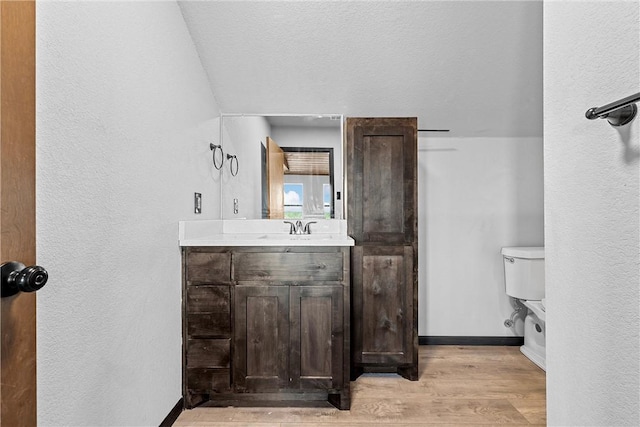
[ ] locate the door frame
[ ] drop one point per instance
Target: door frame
(18, 394)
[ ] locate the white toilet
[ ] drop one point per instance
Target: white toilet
(524, 280)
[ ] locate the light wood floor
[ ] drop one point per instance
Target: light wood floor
(458, 385)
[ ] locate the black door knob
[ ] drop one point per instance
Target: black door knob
(18, 278)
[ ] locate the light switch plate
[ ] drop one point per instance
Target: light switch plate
(197, 203)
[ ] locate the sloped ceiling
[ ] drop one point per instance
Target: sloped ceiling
(474, 67)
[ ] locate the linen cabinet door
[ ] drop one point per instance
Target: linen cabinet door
(317, 336)
(382, 180)
(261, 335)
(382, 305)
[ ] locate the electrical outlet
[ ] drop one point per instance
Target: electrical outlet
(197, 203)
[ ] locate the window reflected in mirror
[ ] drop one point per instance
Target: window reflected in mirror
(297, 182)
(293, 198)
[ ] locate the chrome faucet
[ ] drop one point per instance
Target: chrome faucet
(299, 228)
(307, 227)
(294, 228)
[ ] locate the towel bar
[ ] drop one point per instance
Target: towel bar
(617, 113)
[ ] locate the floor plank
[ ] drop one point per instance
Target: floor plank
(535, 411)
(458, 385)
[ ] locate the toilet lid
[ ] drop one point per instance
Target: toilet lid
(536, 308)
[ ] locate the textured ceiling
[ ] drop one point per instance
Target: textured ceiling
(474, 67)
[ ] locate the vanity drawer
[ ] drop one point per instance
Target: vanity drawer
(208, 380)
(208, 311)
(203, 353)
(288, 266)
(208, 324)
(205, 267)
(208, 298)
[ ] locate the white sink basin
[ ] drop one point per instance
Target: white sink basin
(209, 236)
(301, 236)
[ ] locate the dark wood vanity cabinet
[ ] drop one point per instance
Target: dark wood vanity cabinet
(382, 219)
(277, 329)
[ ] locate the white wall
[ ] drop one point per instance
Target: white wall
(591, 57)
(243, 137)
(475, 196)
(124, 120)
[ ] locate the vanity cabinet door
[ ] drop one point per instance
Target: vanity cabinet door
(383, 305)
(317, 336)
(261, 334)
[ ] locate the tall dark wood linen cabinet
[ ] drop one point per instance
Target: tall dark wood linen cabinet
(382, 218)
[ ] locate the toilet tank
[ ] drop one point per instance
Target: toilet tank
(524, 272)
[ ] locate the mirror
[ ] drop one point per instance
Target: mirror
(288, 166)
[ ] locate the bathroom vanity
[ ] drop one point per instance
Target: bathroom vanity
(270, 316)
(265, 315)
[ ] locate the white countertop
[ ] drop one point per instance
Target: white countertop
(261, 233)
